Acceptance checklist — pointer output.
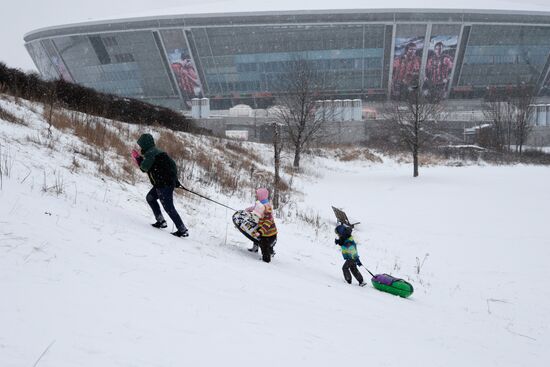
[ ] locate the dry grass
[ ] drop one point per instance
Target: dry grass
(124, 131)
(90, 153)
(358, 154)
(94, 132)
(59, 120)
(129, 172)
(6, 165)
(91, 129)
(243, 152)
(231, 167)
(226, 178)
(176, 146)
(107, 170)
(226, 165)
(75, 165)
(44, 138)
(312, 219)
(36, 138)
(53, 183)
(10, 117)
(428, 159)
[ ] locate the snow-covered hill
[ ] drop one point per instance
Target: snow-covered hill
(85, 281)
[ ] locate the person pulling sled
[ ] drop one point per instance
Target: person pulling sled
(350, 254)
(163, 174)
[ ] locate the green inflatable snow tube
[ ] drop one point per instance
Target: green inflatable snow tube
(387, 283)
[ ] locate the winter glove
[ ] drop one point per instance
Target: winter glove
(137, 157)
(358, 262)
(256, 234)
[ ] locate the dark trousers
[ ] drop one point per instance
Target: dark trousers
(266, 245)
(351, 268)
(166, 197)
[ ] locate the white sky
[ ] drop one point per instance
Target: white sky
(21, 16)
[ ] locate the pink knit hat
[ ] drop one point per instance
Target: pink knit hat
(262, 194)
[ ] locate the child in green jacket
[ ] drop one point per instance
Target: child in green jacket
(349, 252)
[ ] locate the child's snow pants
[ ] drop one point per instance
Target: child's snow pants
(351, 268)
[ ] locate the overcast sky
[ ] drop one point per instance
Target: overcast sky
(21, 16)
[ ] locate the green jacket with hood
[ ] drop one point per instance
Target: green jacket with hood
(160, 168)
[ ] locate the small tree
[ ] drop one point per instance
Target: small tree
(510, 112)
(277, 148)
(298, 90)
(499, 114)
(414, 116)
(522, 102)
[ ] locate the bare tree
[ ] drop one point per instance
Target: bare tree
(499, 112)
(298, 90)
(277, 148)
(510, 113)
(414, 116)
(50, 105)
(522, 102)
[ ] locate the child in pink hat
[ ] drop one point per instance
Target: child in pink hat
(266, 233)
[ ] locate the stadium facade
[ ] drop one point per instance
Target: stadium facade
(237, 58)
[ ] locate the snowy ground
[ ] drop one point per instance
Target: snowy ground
(85, 281)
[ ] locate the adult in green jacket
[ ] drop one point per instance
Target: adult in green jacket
(163, 174)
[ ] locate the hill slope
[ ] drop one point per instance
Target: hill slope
(86, 281)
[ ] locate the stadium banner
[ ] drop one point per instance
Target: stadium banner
(407, 58)
(181, 64)
(441, 60)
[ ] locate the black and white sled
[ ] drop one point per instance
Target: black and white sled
(245, 222)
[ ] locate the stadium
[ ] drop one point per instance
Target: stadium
(236, 58)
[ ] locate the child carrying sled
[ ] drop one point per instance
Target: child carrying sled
(349, 252)
(265, 233)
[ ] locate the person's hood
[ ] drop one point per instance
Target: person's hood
(146, 142)
(343, 231)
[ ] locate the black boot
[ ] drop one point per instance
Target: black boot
(183, 233)
(161, 224)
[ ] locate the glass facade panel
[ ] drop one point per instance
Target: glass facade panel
(42, 60)
(127, 64)
(56, 60)
(252, 59)
(502, 55)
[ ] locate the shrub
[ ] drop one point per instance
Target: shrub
(76, 97)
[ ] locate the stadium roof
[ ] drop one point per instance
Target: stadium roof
(206, 13)
(232, 6)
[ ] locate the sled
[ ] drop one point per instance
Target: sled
(342, 218)
(245, 223)
(387, 283)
